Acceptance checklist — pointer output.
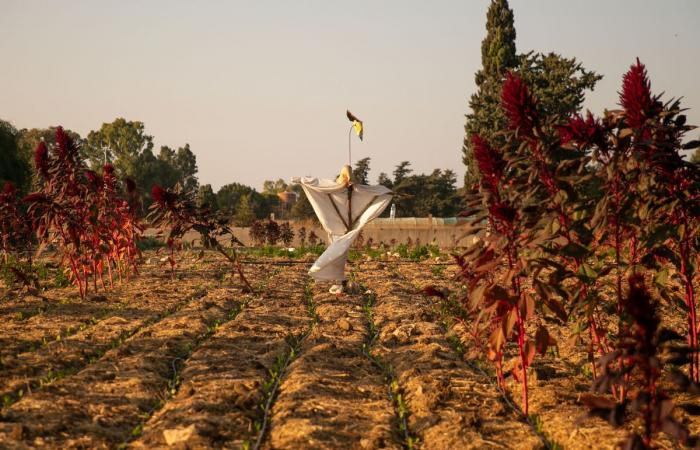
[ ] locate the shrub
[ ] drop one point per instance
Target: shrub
(178, 212)
(286, 234)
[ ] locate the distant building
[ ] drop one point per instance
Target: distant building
(288, 198)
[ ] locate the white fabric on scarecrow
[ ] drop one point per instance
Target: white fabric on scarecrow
(342, 215)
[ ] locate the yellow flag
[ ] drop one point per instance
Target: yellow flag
(356, 124)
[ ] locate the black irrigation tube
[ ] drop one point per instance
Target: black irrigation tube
(395, 392)
(280, 370)
(291, 262)
(9, 398)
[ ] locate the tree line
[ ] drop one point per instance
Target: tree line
(130, 149)
(122, 143)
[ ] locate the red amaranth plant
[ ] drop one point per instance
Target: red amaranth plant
(553, 158)
(490, 164)
(16, 237)
(83, 214)
(640, 347)
(177, 211)
(497, 298)
(576, 206)
(272, 232)
(313, 238)
(257, 232)
(302, 236)
(286, 234)
(583, 132)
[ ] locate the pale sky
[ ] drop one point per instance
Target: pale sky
(259, 88)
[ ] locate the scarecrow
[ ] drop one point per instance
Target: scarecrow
(343, 207)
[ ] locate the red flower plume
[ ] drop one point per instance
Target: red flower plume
(636, 96)
(9, 189)
(518, 104)
(108, 175)
(41, 159)
(161, 195)
(93, 178)
(490, 163)
(582, 131)
(503, 212)
(63, 142)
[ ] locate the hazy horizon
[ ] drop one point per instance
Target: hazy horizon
(259, 89)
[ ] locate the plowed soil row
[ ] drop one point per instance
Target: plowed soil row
(555, 383)
(130, 308)
(333, 397)
(165, 368)
(58, 313)
(219, 402)
(102, 405)
(450, 406)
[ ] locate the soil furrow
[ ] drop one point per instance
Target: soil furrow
(31, 322)
(223, 383)
(30, 371)
(62, 312)
(450, 407)
(554, 386)
(333, 397)
(104, 403)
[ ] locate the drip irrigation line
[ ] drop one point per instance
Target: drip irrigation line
(295, 344)
(291, 262)
(271, 397)
(385, 367)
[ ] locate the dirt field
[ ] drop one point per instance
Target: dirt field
(196, 363)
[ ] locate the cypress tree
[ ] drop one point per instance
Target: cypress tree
(497, 56)
(557, 82)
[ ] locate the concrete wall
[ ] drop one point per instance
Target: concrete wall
(444, 232)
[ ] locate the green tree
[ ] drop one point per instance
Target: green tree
(497, 56)
(126, 145)
(150, 170)
(229, 195)
(274, 187)
(186, 163)
(422, 195)
(360, 174)
(302, 209)
(558, 83)
(402, 171)
(206, 198)
(695, 157)
(446, 200)
(384, 180)
(14, 167)
(244, 215)
(122, 142)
